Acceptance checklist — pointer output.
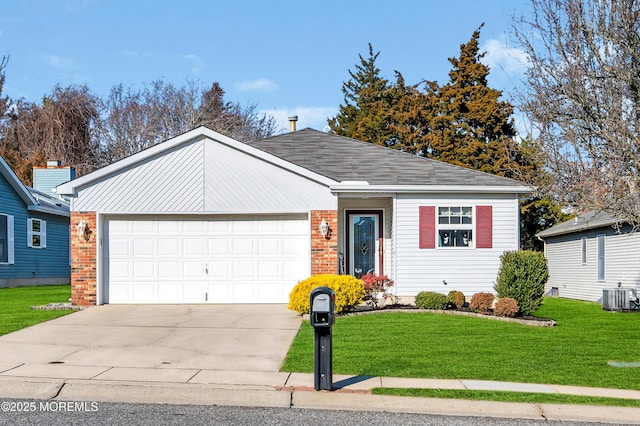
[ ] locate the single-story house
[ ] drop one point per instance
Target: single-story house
(203, 218)
(590, 253)
(34, 234)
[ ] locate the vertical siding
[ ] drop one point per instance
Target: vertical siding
(577, 281)
(51, 262)
(469, 270)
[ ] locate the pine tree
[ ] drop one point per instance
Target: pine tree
(472, 127)
(366, 104)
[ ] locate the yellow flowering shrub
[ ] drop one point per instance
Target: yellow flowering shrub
(349, 292)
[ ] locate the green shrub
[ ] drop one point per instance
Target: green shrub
(349, 292)
(481, 302)
(431, 300)
(506, 307)
(456, 298)
(522, 276)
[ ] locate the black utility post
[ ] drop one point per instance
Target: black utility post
(322, 317)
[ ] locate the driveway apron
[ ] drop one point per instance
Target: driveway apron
(152, 342)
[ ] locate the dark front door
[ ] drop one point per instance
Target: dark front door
(364, 243)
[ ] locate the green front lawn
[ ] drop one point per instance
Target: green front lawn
(15, 305)
(430, 345)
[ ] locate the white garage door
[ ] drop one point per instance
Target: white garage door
(210, 260)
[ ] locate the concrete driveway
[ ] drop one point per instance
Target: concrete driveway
(168, 343)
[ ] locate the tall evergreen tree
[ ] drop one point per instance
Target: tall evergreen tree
(472, 127)
(363, 115)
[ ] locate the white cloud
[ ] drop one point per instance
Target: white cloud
(262, 85)
(195, 60)
(60, 63)
(500, 55)
(313, 117)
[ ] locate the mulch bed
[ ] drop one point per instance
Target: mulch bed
(525, 319)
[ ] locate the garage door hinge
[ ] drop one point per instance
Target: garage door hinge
(206, 296)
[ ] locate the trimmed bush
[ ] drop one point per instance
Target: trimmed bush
(481, 302)
(349, 292)
(506, 307)
(431, 300)
(456, 298)
(522, 276)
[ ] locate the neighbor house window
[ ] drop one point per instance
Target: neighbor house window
(6, 239)
(455, 226)
(583, 247)
(36, 233)
(601, 258)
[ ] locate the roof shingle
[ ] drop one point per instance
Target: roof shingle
(345, 159)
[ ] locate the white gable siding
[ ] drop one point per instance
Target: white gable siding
(204, 176)
(575, 280)
(469, 270)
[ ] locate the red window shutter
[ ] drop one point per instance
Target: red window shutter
(427, 227)
(484, 226)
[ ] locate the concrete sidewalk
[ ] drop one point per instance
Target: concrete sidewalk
(295, 390)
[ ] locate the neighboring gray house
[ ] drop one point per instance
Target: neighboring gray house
(588, 254)
(34, 234)
(203, 218)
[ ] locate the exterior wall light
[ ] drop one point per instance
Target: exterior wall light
(81, 228)
(324, 228)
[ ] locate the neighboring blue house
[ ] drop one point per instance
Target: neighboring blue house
(34, 234)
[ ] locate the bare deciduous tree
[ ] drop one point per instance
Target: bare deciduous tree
(136, 120)
(583, 97)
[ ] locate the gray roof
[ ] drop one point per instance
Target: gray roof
(50, 204)
(591, 220)
(345, 159)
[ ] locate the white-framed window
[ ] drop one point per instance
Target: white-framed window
(601, 257)
(36, 233)
(583, 249)
(455, 226)
(6, 239)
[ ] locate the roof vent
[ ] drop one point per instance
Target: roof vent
(292, 122)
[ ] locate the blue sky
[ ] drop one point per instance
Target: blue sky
(288, 57)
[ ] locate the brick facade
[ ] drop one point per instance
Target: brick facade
(83, 260)
(324, 250)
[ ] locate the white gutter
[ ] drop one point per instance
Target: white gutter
(350, 187)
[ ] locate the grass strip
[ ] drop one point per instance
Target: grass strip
(534, 398)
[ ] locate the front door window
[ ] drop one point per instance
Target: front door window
(364, 244)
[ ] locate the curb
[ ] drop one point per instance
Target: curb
(302, 397)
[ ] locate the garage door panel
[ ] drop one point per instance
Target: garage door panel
(144, 292)
(205, 260)
(220, 270)
(169, 293)
(193, 292)
(244, 269)
(144, 270)
(243, 247)
(169, 247)
(194, 247)
(169, 271)
(219, 247)
(143, 247)
(269, 247)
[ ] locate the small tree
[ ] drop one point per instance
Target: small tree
(522, 276)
